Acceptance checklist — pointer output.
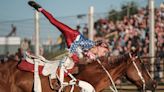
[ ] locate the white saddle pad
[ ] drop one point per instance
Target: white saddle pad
(68, 63)
(50, 69)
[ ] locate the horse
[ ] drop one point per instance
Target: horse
(127, 65)
(15, 80)
(21, 81)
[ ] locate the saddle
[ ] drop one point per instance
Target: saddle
(49, 68)
(46, 67)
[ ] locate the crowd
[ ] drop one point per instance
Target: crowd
(132, 31)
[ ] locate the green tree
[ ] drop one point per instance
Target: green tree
(127, 9)
(113, 15)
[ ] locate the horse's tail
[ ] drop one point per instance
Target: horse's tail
(86, 87)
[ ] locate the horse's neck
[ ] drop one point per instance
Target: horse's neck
(116, 69)
(118, 60)
(118, 65)
(120, 70)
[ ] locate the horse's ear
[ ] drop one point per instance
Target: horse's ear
(134, 50)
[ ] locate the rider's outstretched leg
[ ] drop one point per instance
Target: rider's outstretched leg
(69, 33)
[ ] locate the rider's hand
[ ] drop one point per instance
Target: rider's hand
(91, 55)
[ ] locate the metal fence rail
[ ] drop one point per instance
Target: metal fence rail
(132, 88)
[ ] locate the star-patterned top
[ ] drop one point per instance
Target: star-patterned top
(83, 43)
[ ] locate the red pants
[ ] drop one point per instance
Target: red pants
(69, 34)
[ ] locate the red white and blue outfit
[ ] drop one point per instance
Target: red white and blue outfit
(74, 38)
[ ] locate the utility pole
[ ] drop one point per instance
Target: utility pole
(151, 34)
(36, 33)
(91, 22)
(37, 82)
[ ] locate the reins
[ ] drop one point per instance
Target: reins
(138, 71)
(115, 89)
(86, 87)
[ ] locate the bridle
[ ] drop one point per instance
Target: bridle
(114, 89)
(133, 59)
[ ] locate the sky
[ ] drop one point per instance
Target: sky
(19, 9)
(15, 10)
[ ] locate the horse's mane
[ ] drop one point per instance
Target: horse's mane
(118, 59)
(107, 61)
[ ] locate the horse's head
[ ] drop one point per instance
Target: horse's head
(138, 74)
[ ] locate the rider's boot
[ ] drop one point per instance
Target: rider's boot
(34, 5)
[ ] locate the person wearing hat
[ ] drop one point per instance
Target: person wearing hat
(77, 44)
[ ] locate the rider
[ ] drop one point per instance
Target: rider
(74, 39)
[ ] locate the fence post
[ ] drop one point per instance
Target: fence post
(151, 35)
(91, 22)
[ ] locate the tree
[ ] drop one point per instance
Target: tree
(113, 15)
(127, 9)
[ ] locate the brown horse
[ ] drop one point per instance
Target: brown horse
(139, 75)
(15, 80)
(124, 65)
(20, 81)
